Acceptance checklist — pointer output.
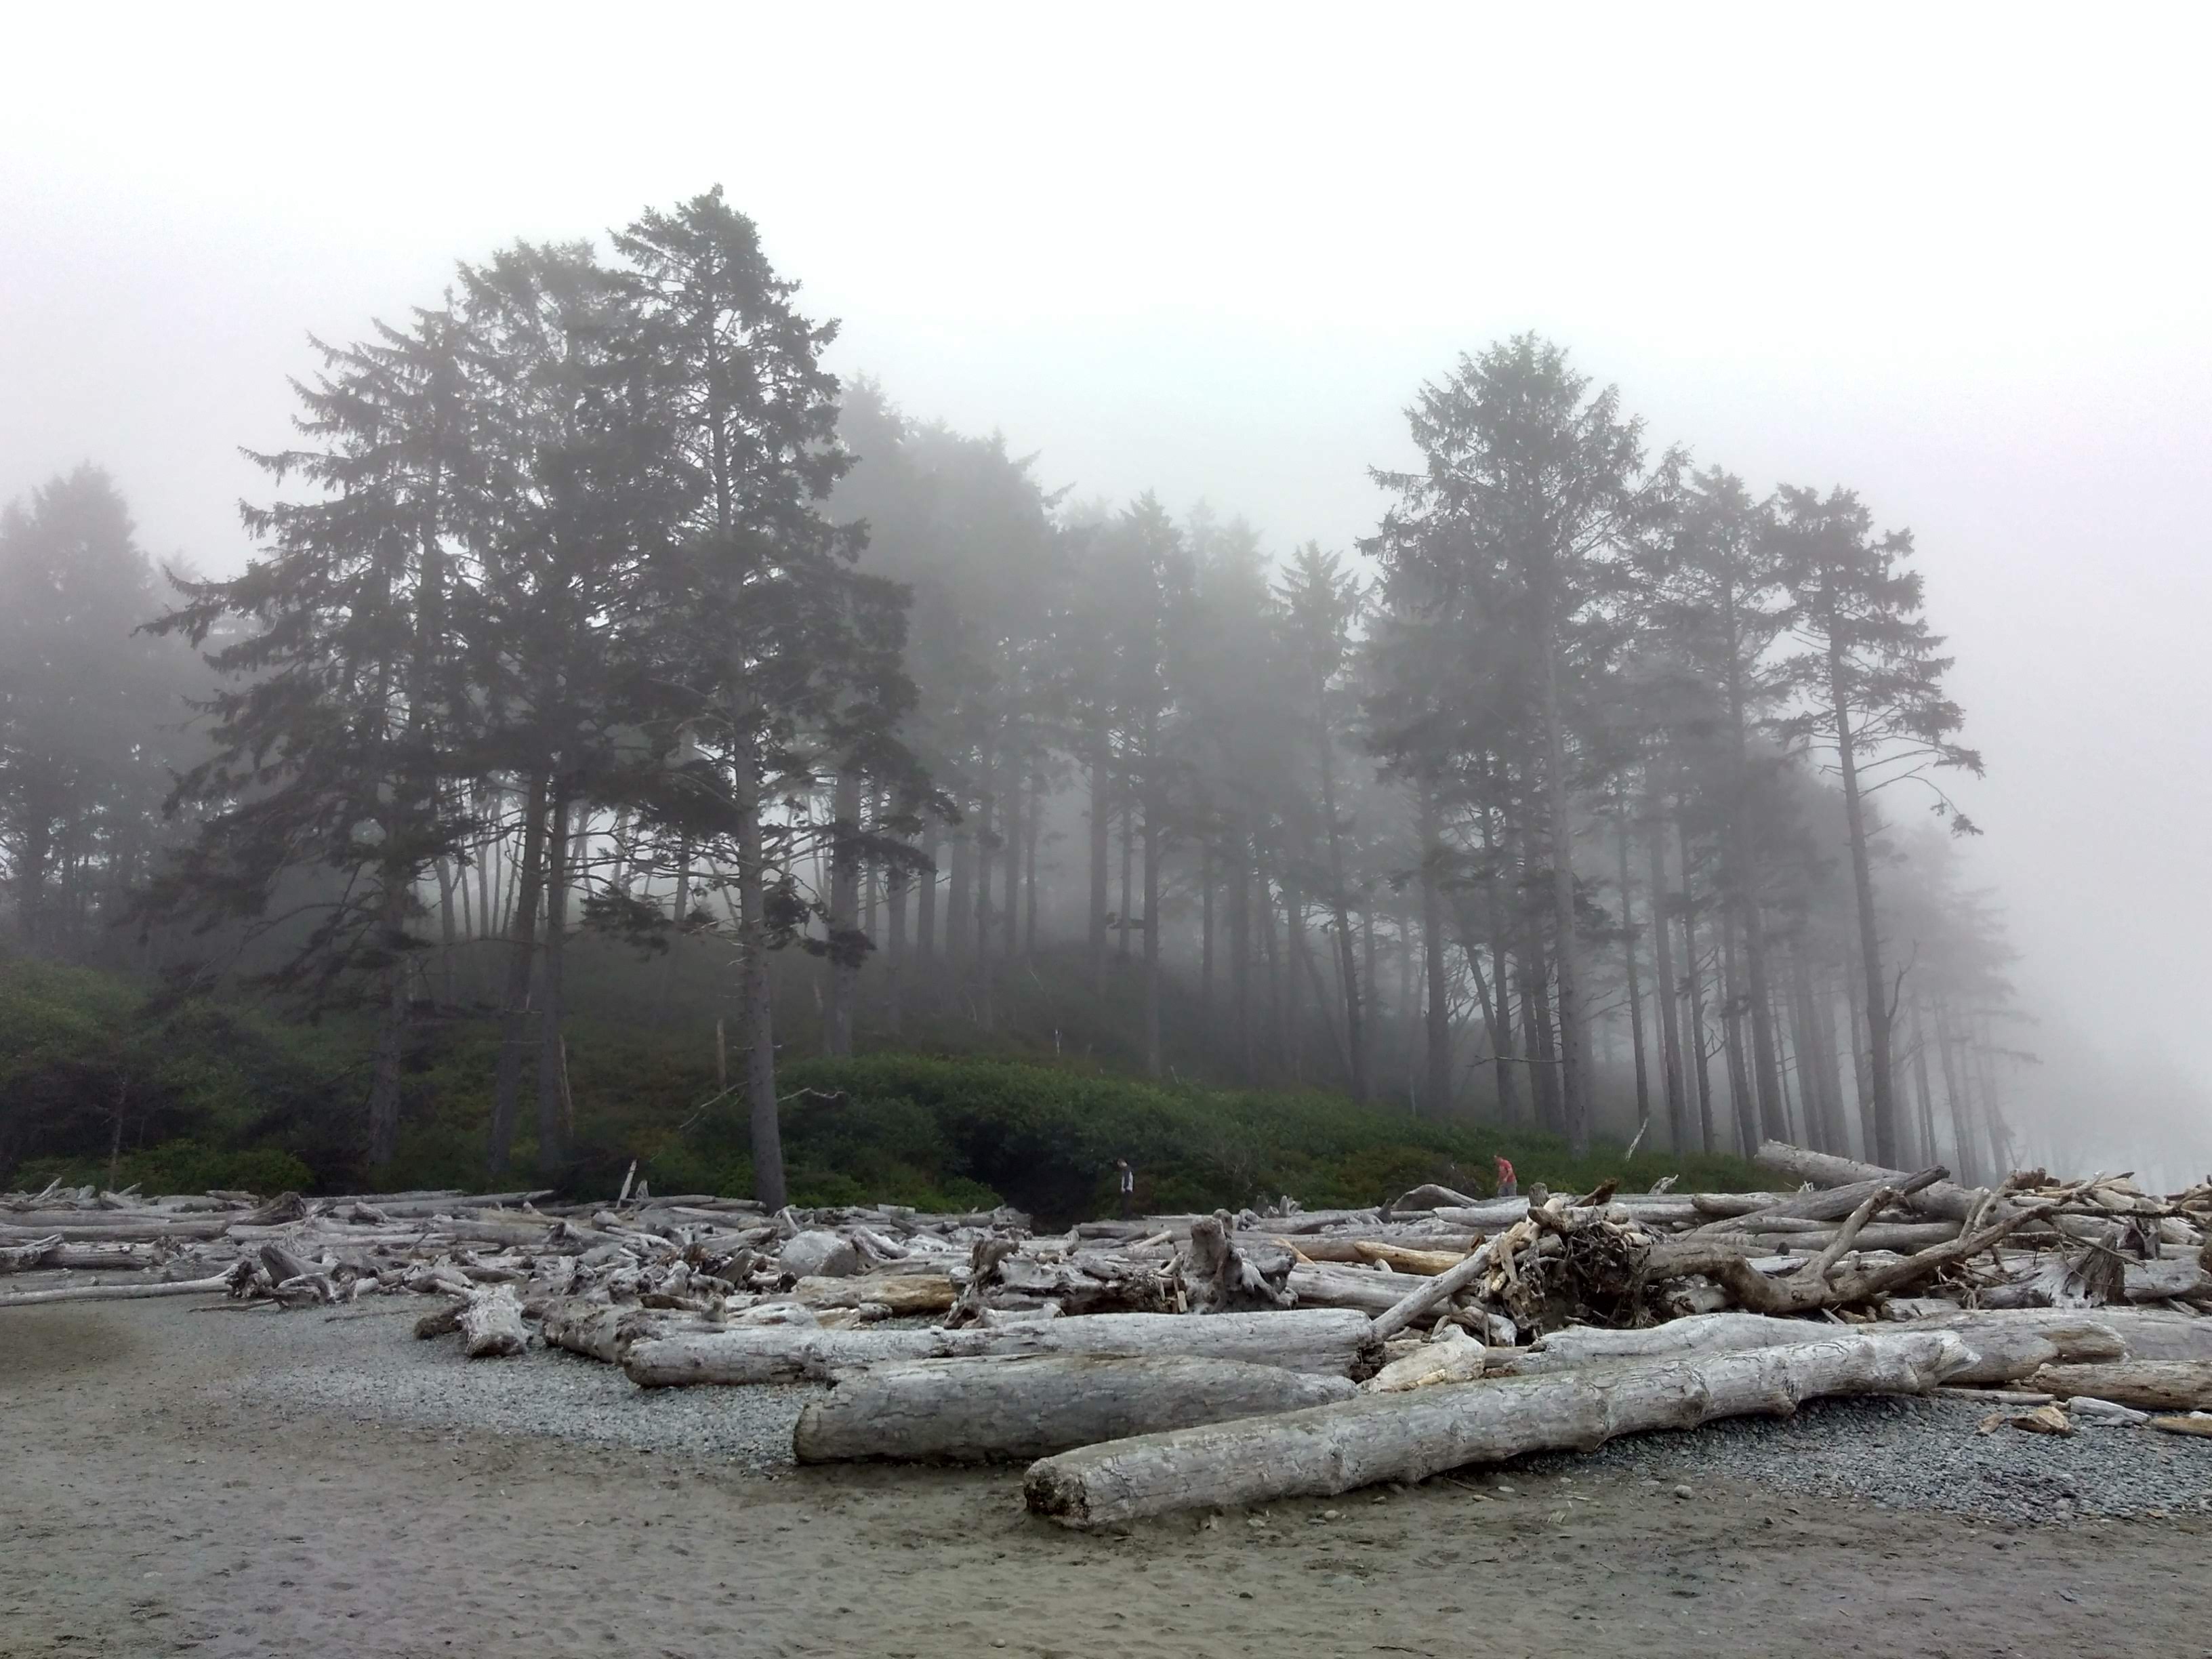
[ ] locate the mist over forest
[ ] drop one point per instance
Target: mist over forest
(626, 685)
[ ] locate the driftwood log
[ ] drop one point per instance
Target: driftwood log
(1323, 1340)
(2151, 1385)
(491, 1323)
(1326, 1449)
(215, 1287)
(2004, 1346)
(1029, 1405)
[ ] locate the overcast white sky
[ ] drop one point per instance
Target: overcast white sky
(1954, 257)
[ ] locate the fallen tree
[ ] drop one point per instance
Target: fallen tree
(1324, 1340)
(1026, 1406)
(2151, 1385)
(1326, 1449)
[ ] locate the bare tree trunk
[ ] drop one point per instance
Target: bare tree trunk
(521, 962)
(1438, 1090)
(1101, 827)
(1240, 954)
(1154, 834)
(896, 884)
(1926, 1099)
(1635, 991)
(1016, 834)
(1882, 1076)
(1574, 1039)
(755, 993)
(1206, 940)
(1742, 1107)
(1033, 822)
(552, 1054)
(925, 921)
(1129, 804)
(842, 971)
(1501, 978)
(958, 912)
(1693, 987)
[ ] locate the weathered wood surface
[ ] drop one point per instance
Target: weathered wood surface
(1324, 1340)
(1327, 1449)
(2149, 1334)
(1371, 1290)
(1438, 1292)
(215, 1287)
(1029, 1405)
(2004, 1346)
(2152, 1385)
(491, 1324)
(903, 1293)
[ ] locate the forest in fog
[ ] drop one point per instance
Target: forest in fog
(602, 656)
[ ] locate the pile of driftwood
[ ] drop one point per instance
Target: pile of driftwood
(1146, 1365)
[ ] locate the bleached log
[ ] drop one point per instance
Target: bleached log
(1457, 1357)
(1372, 1290)
(39, 1253)
(1321, 1340)
(1029, 1405)
(1327, 1449)
(491, 1323)
(2162, 1281)
(214, 1286)
(1403, 1259)
(2170, 1385)
(2004, 1347)
(903, 1293)
(1358, 1247)
(2149, 1334)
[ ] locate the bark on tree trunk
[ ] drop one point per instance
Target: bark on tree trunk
(843, 968)
(767, 1135)
(1693, 984)
(1881, 1078)
(1154, 832)
(1101, 824)
(896, 884)
(1567, 944)
(1437, 1089)
(521, 962)
(1635, 990)
(552, 1052)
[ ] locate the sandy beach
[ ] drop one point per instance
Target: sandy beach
(163, 1490)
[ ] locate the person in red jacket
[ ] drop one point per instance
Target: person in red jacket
(1507, 1186)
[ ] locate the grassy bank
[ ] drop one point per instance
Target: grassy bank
(215, 1095)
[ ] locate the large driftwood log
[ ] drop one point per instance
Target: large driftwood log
(1371, 1290)
(220, 1283)
(2151, 1385)
(491, 1323)
(1323, 1340)
(1326, 1449)
(1029, 1405)
(2149, 1334)
(600, 1331)
(903, 1293)
(2005, 1347)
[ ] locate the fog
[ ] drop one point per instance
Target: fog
(1953, 261)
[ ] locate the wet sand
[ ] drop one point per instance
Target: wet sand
(151, 1504)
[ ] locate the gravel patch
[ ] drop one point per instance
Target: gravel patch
(1920, 1455)
(370, 1369)
(1900, 1453)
